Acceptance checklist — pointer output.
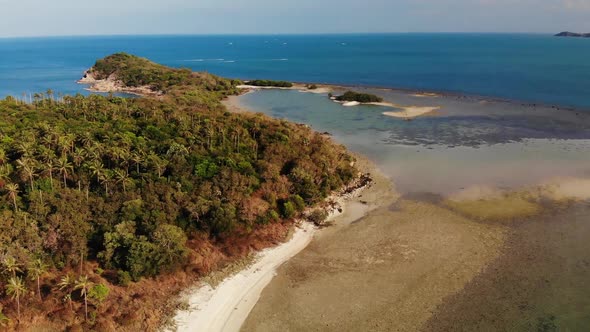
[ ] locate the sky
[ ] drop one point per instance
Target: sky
(113, 17)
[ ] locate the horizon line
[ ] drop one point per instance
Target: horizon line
(278, 34)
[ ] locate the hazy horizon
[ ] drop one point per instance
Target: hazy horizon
(286, 34)
(34, 18)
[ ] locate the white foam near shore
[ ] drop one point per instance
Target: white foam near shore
(227, 306)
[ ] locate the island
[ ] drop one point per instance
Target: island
(114, 205)
(270, 83)
(351, 96)
(572, 34)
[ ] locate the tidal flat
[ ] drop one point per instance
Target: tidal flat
(486, 227)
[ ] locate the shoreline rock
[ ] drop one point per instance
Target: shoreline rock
(113, 84)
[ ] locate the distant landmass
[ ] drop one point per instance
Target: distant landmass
(572, 34)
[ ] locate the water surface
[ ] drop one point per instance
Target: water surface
(444, 154)
(538, 281)
(536, 68)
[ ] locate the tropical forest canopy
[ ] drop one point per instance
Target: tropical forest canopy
(269, 83)
(360, 97)
(133, 184)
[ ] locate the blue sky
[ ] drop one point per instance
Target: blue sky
(100, 17)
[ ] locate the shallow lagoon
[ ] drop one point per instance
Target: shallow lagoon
(536, 282)
(448, 151)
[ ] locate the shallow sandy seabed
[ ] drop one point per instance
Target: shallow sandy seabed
(226, 306)
(396, 268)
(400, 266)
(412, 112)
(388, 271)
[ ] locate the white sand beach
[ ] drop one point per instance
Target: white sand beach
(226, 307)
(350, 103)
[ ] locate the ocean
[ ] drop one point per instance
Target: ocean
(527, 67)
(469, 147)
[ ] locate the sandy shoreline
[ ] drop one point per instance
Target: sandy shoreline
(226, 306)
(398, 267)
(392, 263)
(387, 271)
(406, 112)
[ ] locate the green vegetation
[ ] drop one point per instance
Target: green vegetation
(99, 192)
(360, 97)
(311, 86)
(278, 84)
(187, 86)
(3, 319)
(318, 216)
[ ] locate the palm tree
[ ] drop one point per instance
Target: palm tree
(35, 271)
(43, 128)
(16, 288)
(86, 140)
(137, 159)
(83, 284)
(25, 148)
(49, 168)
(122, 177)
(105, 179)
(48, 141)
(27, 167)
(50, 95)
(12, 192)
(66, 143)
(78, 156)
(67, 282)
(158, 163)
(97, 169)
(63, 166)
(11, 265)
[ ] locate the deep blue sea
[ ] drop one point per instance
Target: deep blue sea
(536, 68)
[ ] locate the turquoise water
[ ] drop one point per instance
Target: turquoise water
(507, 152)
(540, 280)
(537, 68)
(440, 155)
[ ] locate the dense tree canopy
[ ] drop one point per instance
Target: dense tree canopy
(132, 183)
(269, 83)
(360, 97)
